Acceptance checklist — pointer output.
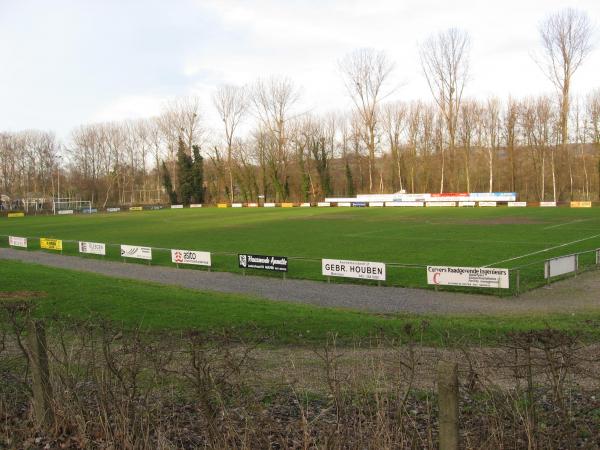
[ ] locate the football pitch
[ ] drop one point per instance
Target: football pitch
(407, 239)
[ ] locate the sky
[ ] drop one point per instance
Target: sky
(72, 62)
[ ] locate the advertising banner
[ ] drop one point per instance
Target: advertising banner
(17, 214)
(154, 207)
(276, 263)
(134, 251)
(463, 204)
(93, 248)
(135, 208)
(430, 204)
(344, 204)
(89, 210)
(176, 206)
(190, 257)
(323, 204)
(359, 204)
(364, 270)
(487, 277)
(51, 244)
(237, 205)
(547, 204)
(196, 205)
(488, 204)
(517, 204)
(222, 205)
(581, 204)
(15, 241)
(405, 204)
(252, 205)
(304, 205)
(287, 205)
(559, 266)
(65, 211)
(269, 205)
(113, 209)
(375, 204)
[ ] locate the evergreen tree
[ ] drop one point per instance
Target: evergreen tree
(166, 177)
(185, 179)
(198, 175)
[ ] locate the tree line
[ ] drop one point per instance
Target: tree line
(544, 147)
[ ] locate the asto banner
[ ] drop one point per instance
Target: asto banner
(262, 262)
(487, 277)
(15, 241)
(190, 257)
(134, 251)
(93, 248)
(365, 270)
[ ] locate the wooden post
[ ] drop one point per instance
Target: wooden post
(447, 378)
(518, 282)
(40, 374)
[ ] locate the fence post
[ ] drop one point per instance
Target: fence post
(40, 374)
(518, 281)
(447, 379)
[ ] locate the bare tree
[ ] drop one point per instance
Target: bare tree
(445, 63)
(365, 72)
(231, 103)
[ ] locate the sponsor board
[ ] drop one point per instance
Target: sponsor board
(237, 205)
(375, 204)
(581, 204)
(155, 207)
(190, 257)
(405, 204)
(430, 204)
(65, 211)
(359, 204)
(364, 270)
(113, 209)
(547, 204)
(222, 205)
(287, 205)
(517, 204)
(252, 205)
(17, 214)
(89, 210)
(134, 251)
(344, 204)
(559, 266)
(196, 205)
(463, 204)
(487, 204)
(276, 263)
(15, 241)
(488, 277)
(93, 248)
(135, 208)
(323, 204)
(51, 244)
(176, 206)
(269, 205)
(304, 205)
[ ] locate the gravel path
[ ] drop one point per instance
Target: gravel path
(573, 295)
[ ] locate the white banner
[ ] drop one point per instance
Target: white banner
(176, 206)
(488, 204)
(15, 241)
(304, 205)
(94, 248)
(405, 204)
(252, 205)
(430, 204)
(236, 205)
(517, 204)
(113, 209)
(344, 204)
(323, 204)
(134, 251)
(547, 204)
(196, 205)
(353, 269)
(559, 266)
(269, 205)
(463, 204)
(489, 277)
(190, 257)
(65, 211)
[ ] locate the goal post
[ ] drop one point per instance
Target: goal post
(68, 204)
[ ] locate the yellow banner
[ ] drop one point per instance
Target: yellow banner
(581, 204)
(287, 205)
(17, 214)
(222, 205)
(135, 208)
(51, 244)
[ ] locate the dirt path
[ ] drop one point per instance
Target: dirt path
(574, 295)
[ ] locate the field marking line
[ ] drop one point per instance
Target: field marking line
(566, 223)
(544, 250)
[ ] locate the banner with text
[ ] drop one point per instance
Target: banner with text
(190, 257)
(93, 248)
(16, 241)
(276, 263)
(51, 244)
(134, 251)
(488, 277)
(365, 270)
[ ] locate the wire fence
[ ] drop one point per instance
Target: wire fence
(522, 278)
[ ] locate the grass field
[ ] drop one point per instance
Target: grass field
(499, 237)
(156, 307)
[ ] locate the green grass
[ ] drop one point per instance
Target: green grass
(157, 307)
(411, 236)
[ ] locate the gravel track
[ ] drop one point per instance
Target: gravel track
(574, 295)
